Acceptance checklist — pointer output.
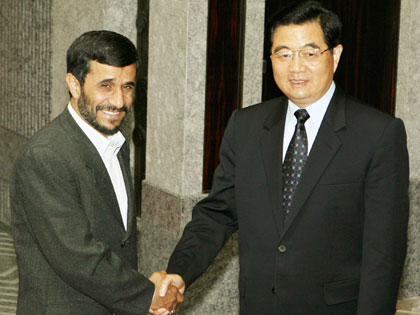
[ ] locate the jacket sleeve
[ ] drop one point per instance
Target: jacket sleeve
(214, 218)
(385, 223)
(47, 202)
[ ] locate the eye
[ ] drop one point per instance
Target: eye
(128, 89)
(310, 54)
(284, 54)
(105, 85)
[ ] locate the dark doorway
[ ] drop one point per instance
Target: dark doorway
(368, 65)
(223, 77)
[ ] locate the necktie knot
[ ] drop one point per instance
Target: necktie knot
(301, 115)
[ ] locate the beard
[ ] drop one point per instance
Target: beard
(86, 111)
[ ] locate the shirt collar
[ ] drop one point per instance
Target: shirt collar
(318, 109)
(102, 144)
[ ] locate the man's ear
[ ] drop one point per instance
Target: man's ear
(337, 50)
(74, 86)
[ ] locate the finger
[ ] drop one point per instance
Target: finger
(162, 311)
(179, 283)
(158, 311)
(180, 298)
(164, 286)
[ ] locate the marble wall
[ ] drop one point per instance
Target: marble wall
(176, 91)
(25, 65)
(10, 145)
(408, 80)
(25, 77)
(408, 109)
(410, 284)
(253, 55)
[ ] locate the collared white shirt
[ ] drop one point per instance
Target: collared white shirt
(108, 149)
(316, 113)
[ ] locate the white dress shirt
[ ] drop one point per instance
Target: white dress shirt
(316, 113)
(108, 149)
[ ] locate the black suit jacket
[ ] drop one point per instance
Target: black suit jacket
(74, 255)
(343, 247)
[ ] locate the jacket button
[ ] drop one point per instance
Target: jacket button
(273, 290)
(123, 243)
(282, 248)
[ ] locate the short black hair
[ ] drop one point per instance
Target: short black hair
(105, 47)
(306, 12)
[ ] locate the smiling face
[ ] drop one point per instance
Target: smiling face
(302, 82)
(105, 97)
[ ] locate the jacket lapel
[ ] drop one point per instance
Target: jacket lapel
(271, 143)
(323, 150)
(94, 163)
(123, 158)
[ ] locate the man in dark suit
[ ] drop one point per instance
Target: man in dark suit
(73, 212)
(316, 184)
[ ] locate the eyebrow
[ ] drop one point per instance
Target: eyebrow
(131, 83)
(311, 45)
(278, 48)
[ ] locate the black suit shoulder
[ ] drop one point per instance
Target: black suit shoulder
(368, 122)
(260, 111)
(251, 120)
(365, 111)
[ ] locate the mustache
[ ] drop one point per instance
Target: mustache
(112, 108)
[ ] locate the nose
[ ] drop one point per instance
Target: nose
(118, 98)
(297, 64)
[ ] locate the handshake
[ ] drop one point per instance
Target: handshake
(169, 290)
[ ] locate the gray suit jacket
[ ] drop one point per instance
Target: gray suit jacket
(74, 255)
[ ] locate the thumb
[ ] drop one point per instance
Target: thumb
(164, 286)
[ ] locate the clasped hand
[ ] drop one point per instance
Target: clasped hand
(169, 290)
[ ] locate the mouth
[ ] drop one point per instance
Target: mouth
(295, 81)
(113, 114)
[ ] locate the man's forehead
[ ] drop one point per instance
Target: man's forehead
(99, 69)
(312, 26)
(312, 23)
(298, 35)
(97, 64)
